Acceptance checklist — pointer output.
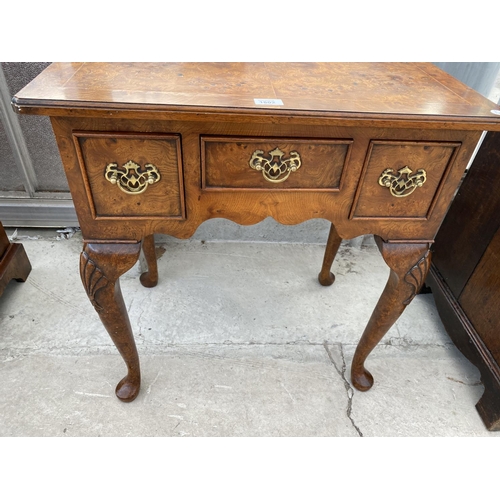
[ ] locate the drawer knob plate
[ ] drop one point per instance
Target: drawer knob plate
(131, 178)
(404, 183)
(274, 167)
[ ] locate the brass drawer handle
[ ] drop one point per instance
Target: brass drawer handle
(403, 184)
(275, 169)
(130, 177)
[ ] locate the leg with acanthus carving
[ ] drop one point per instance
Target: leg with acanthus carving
(409, 264)
(101, 265)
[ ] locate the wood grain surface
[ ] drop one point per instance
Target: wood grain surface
(373, 200)
(397, 91)
(163, 199)
(248, 206)
(225, 162)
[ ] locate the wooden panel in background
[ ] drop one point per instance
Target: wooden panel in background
(481, 297)
(472, 219)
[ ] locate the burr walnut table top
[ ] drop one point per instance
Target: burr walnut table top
(396, 91)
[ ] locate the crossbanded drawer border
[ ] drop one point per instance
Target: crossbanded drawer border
(456, 145)
(77, 134)
(205, 138)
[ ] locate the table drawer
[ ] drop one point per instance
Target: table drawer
(273, 163)
(402, 179)
(132, 174)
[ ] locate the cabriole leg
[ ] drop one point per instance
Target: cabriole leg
(149, 278)
(101, 265)
(326, 277)
(409, 264)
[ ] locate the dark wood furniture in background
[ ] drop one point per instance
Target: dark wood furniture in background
(465, 274)
(159, 148)
(14, 263)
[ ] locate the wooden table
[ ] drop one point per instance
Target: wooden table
(159, 148)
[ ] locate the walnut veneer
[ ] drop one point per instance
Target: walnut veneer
(159, 148)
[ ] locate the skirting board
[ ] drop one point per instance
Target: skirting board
(37, 212)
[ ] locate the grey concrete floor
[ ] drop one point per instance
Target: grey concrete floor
(237, 339)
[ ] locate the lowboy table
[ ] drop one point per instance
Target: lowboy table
(159, 148)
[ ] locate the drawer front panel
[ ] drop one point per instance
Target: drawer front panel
(402, 179)
(273, 163)
(132, 175)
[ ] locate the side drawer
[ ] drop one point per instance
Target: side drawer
(402, 179)
(273, 163)
(132, 174)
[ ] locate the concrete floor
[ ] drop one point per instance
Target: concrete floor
(237, 339)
